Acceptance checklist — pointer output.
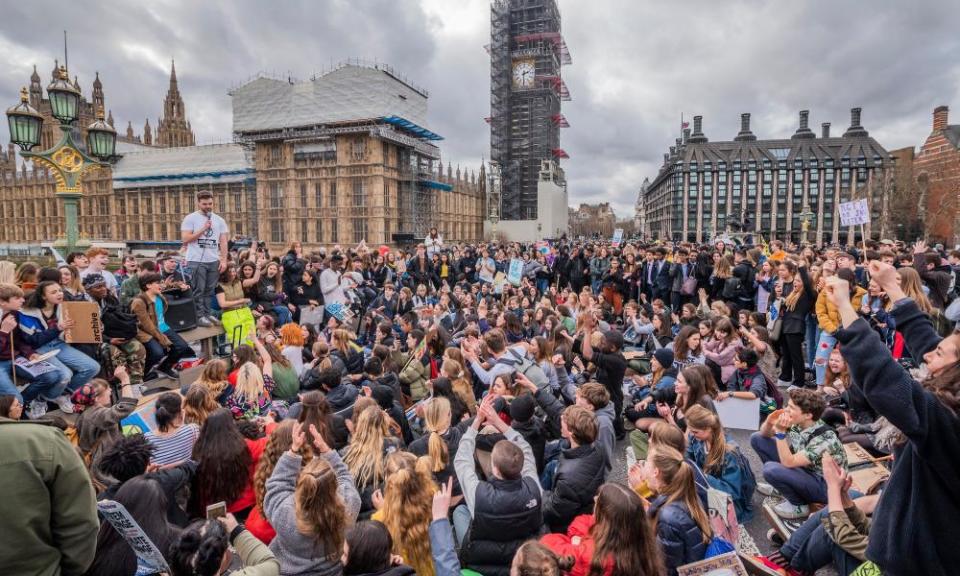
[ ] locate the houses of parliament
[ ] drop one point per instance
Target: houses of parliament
(273, 189)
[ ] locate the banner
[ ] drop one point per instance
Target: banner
(515, 272)
(854, 212)
(149, 558)
(617, 237)
(88, 329)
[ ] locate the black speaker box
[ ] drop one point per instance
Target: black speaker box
(181, 314)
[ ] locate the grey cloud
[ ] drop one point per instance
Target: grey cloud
(637, 67)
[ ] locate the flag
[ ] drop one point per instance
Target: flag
(685, 125)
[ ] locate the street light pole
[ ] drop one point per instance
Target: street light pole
(66, 160)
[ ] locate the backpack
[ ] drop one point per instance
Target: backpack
(118, 323)
(527, 367)
(731, 288)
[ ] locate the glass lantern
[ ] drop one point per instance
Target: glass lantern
(64, 98)
(25, 123)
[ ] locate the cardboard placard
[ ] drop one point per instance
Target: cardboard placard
(88, 329)
(739, 413)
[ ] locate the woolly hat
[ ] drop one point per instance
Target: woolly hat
(521, 409)
(664, 356)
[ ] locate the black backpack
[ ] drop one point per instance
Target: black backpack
(118, 323)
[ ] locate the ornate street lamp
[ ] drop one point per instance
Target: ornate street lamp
(66, 160)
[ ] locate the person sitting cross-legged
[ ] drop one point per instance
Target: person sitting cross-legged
(791, 445)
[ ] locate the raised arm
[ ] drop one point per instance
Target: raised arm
(281, 485)
(264, 356)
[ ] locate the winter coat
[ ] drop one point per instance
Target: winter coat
(49, 508)
(578, 543)
(723, 354)
(301, 554)
(414, 376)
(925, 474)
(146, 313)
(34, 328)
(827, 314)
(728, 478)
(580, 473)
(679, 536)
(795, 321)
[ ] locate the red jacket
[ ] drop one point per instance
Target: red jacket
(578, 543)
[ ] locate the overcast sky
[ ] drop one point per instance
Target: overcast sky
(637, 66)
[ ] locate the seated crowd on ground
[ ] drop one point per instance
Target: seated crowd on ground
(425, 412)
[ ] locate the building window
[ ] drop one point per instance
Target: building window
(276, 231)
(237, 202)
(176, 203)
(332, 197)
(303, 196)
(319, 231)
(303, 230)
(162, 203)
(359, 229)
(276, 154)
(359, 193)
(276, 195)
(334, 233)
(358, 149)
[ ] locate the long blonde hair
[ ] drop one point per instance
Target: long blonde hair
(702, 419)
(678, 485)
(250, 383)
(791, 300)
(436, 416)
(408, 510)
(364, 455)
(912, 286)
(319, 510)
(341, 340)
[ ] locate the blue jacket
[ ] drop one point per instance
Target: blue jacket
(34, 328)
(679, 536)
(925, 474)
(728, 479)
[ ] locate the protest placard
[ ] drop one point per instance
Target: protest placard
(149, 558)
(739, 413)
(515, 272)
(87, 328)
(617, 237)
(854, 213)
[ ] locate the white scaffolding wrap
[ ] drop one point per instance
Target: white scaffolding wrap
(349, 93)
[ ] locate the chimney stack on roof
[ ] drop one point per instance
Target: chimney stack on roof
(804, 130)
(855, 129)
(825, 130)
(940, 117)
(686, 136)
(698, 136)
(745, 134)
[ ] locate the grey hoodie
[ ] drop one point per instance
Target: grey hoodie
(298, 553)
(606, 438)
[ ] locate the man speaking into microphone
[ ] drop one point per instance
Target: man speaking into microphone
(205, 236)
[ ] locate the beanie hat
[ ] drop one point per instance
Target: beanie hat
(521, 409)
(664, 356)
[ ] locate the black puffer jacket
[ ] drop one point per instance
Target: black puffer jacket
(678, 535)
(579, 476)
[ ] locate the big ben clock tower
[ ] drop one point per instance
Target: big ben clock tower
(526, 53)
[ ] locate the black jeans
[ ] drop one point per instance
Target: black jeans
(791, 358)
(178, 350)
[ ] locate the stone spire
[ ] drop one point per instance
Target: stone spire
(147, 134)
(110, 117)
(173, 129)
(130, 130)
(97, 94)
(36, 89)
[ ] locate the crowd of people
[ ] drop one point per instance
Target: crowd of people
(467, 407)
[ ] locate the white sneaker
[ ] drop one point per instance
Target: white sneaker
(37, 409)
(789, 511)
(64, 403)
(766, 489)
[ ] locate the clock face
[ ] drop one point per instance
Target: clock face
(523, 73)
